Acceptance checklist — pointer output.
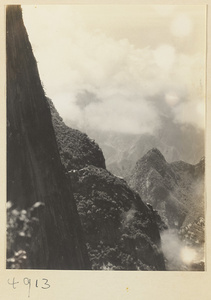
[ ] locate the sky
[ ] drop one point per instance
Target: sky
(121, 67)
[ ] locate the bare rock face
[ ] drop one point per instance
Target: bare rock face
(34, 169)
(175, 189)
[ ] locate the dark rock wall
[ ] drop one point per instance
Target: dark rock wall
(34, 169)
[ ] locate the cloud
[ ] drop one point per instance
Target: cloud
(117, 78)
(164, 57)
(118, 114)
(181, 25)
(179, 256)
(171, 98)
(191, 112)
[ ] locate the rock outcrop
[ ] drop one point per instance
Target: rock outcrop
(175, 189)
(76, 149)
(34, 169)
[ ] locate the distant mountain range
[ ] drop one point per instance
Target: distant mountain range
(174, 189)
(176, 141)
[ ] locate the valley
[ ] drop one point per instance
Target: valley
(80, 198)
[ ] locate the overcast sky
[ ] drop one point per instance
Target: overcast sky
(120, 67)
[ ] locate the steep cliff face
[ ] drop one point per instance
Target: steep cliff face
(192, 229)
(175, 189)
(34, 170)
(120, 230)
(76, 149)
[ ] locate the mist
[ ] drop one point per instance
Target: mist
(180, 256)
(81, 56)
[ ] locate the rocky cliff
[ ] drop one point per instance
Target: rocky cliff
(76, 149)
(175, 189)
(34, 170)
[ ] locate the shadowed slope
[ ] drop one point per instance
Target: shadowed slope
(34, 170)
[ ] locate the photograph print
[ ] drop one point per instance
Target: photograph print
(106, 137)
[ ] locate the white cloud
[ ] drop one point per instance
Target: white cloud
(121, 115)
(164, 57)
(172, 98)
(73, 59)
(181, 25)
(192, 112)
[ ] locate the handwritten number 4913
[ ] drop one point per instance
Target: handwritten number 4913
(27, 281)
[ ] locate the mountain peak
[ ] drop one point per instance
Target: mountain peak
(155, 152)
(202, 160)
(152, 161)
(200, 167)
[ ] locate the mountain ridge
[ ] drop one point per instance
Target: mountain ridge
(175, 189)
(76, 149)
(174, 140)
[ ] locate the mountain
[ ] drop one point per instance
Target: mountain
(121, 231)
(35, 175)
(174, 189)
(66, 210)
(75, 148)
(174, 140)
(50, 167)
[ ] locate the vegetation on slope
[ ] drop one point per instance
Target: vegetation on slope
(120, 230)
(176, 190)
(75, 148)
